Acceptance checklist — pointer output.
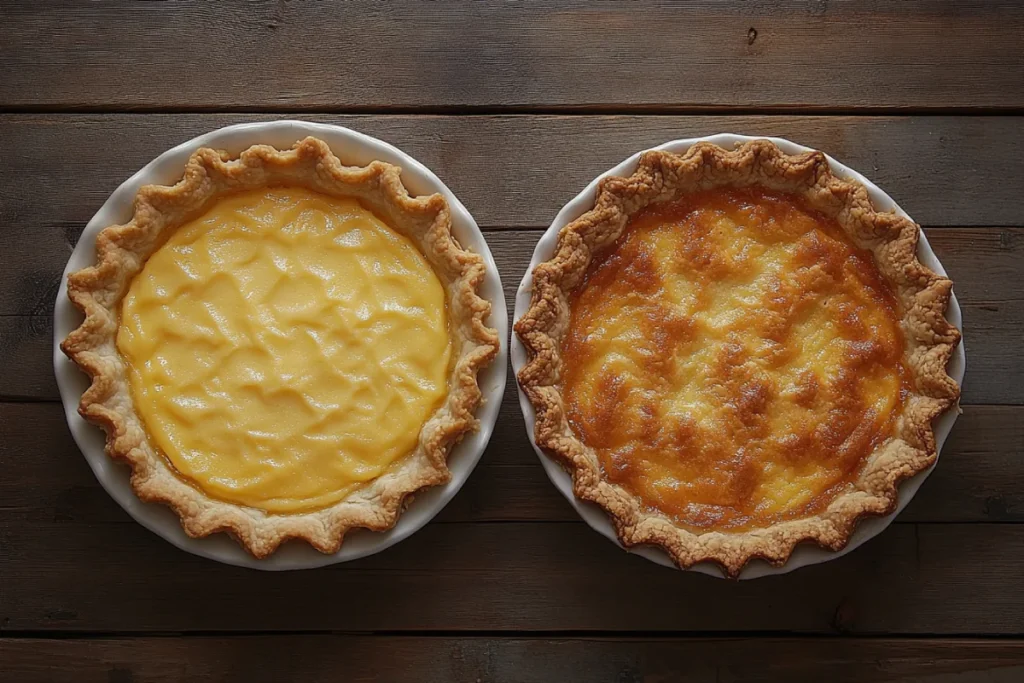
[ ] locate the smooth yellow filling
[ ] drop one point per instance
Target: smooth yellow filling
(285, 348)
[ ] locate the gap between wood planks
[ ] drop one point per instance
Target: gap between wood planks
(481, 634)
(652, 110)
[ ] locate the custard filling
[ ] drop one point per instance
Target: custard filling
(733, 359)
(285, 348)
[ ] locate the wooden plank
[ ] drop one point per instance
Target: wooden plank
(47, 479)
(26, 345)
(987, 265)
(980, 477)
(980, 463)
(524, 660)
(912, 579)
(517, 171)
(366, 55)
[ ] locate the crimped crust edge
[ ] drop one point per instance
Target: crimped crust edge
(924, 295)
(121, 251)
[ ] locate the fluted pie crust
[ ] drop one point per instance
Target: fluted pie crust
(922, 296)
(121, 251)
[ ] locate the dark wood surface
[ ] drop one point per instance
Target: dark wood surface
(390, 659)
(652, 55)
(986, 262)
(516, 107)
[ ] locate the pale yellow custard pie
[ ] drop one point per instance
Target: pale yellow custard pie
(265, 340)
(733, 352)
(282, 346)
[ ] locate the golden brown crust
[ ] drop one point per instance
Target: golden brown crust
(923, 295)
(121, 251)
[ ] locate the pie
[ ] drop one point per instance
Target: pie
(281, 346)
(733, 352)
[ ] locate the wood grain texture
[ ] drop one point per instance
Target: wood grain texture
(517, 171)
(980, 477)
(360, 55)
(54, 518)
(514, 576)
(507, 584)
(986, 264)
(383, 659)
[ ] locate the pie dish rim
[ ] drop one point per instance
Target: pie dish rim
(805, 553)
(354, 148)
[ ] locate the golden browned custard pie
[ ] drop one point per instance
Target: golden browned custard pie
(282, 346)
(733, 352)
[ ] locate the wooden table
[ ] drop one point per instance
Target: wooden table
(516, 107)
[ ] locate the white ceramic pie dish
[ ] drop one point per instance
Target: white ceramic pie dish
(805, 554)
(352, 148)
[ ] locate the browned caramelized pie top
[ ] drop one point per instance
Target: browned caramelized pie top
(733, 359)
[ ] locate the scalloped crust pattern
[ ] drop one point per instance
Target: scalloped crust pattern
(923, 296)
(121, 251)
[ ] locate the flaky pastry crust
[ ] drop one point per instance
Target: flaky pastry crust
(923, 296)
(121, 251)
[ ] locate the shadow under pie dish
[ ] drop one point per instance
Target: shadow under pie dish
(282, 346)
(733, 352)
